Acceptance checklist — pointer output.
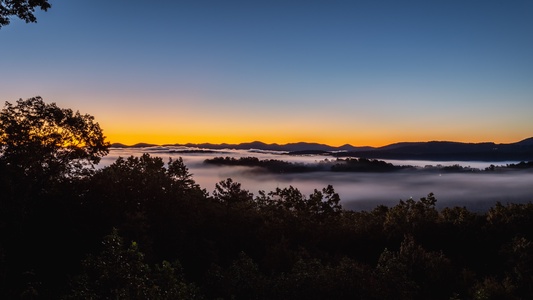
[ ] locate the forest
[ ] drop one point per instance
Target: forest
(280, 166)
(349, 164)
(142, 228)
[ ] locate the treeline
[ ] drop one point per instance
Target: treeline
(280, 166)
(348, 165)
(521, 165)
(271, 165)
(143, 229)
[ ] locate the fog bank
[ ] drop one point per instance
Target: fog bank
(359, 191)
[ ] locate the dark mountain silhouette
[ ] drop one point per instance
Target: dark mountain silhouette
(433, 150)
(138, 145)
(444, 150)
(438, 147)
(291, 147)
(118, 145)
(526, 142)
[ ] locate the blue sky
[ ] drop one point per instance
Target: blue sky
(359, 72)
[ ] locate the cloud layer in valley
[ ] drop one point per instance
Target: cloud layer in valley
(476, 191)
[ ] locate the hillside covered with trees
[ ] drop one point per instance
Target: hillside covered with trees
(142, 228)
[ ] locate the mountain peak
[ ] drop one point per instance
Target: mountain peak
(526, 142)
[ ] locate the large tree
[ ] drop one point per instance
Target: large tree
(43, 140)
(23, 9)
(45, 153)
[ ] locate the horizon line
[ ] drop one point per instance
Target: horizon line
(317, 143)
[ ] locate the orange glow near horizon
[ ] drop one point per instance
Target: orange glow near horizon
(167, 127)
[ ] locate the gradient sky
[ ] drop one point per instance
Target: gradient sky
(360, 72)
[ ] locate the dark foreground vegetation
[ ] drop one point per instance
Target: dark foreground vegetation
(143, 229)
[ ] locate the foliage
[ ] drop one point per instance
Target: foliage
(417, 273)
(521, 165)
(119, 272)
(230, 193)
(410, 216)
(141, 196)
(22, 9)
(319, 204)
(280, 166)
(271, 165)
(43, 140)
(363, 165)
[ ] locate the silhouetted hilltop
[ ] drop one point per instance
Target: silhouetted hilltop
(438, 147)
(526, 142)
(118, 145)
(290, 147)
(433, 150)
(138, 145)
(444, 150)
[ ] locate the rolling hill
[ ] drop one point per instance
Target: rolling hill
(432, 150)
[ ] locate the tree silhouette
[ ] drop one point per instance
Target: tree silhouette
(22, 9)
(229, 192)
(120, 272)
(45, 153)
(44, 140)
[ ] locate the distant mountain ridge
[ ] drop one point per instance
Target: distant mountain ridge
(432, 150)
(290, 147)
(444, 150)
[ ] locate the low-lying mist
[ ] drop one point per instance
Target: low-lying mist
(362, 190)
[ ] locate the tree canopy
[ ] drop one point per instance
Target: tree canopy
(45, 140)
(23, 9)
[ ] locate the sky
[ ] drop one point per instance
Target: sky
(335, 72)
